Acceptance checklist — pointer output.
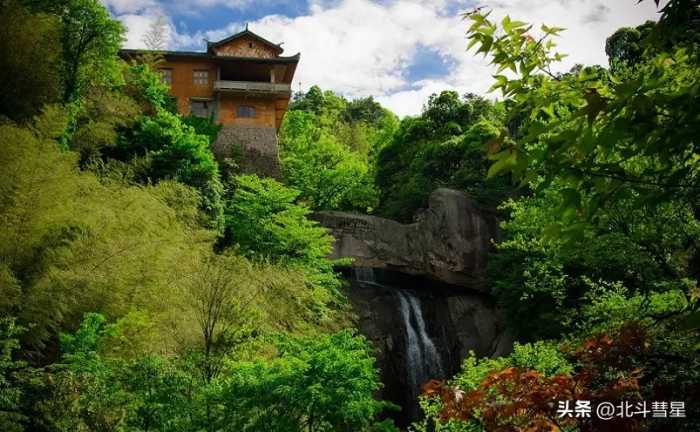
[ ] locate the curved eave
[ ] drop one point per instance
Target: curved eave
(280, 59)
(174, 55)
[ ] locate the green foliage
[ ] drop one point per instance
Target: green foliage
(365, 110)
(68, 245)
(595, 145)
(263, 219)
(608, 240)
(330, 175)
(448, 113)
(83, 347)
(318, 383)
(624, 47)
(147, 87)
(328, 147)
(203, 126)
(444, 147)
(90, 41)
(610, 305)
(542, 356)
(311, 383)
(173, 150)
(102, 393)
(98, 119)
(265, 222)
(11, 417)
(539, 274)
(312, 101)
(30, 71)
(605, 137)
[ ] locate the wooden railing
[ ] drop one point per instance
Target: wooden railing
(252, 87)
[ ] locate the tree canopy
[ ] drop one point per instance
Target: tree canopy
(144, 289)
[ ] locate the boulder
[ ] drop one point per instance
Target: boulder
(448, 242)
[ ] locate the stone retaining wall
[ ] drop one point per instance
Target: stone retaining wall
(254, 148)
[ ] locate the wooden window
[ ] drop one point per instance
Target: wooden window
(166, 75)
(202, 108)
(201, 77)
(246, 111)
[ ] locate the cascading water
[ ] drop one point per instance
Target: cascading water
(420, 359)
(420, 330)
(423, 359)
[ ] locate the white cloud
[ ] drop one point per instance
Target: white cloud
(363, 47)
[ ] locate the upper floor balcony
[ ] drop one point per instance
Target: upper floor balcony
(253, 87)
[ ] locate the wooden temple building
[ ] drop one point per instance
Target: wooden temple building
(244, 83)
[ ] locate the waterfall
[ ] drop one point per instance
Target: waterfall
(431, 358)
(422, 358)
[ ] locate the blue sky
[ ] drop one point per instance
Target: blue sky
(209, 18)
(399, 51)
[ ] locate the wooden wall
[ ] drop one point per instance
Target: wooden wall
(246, 47)
(183, 86)
(269, 111)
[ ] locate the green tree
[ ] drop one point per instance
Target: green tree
(203, 126)
(98, 122)
(146, 86)
(365, 110)
(162, 394)
(329, 175)
(68, 246)
(101, 404)
(319, 383)
(544, 278)
(311, 101)
(90, 39)
(171, 149)
(264, 221)
(441, 148)
(624, 137)
(30, 65)
(605, 243)
(328, 149)
(224, 300)
(626, 46)
(616, 141)
(11, 417)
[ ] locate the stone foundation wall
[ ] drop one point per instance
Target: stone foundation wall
(254, 148)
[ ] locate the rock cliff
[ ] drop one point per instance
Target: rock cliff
(449, 241)
(454, 320)
(420, 291)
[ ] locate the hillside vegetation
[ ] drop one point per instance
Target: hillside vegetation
(143, 287)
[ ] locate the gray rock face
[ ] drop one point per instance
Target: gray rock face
(253, 147)
(456, 320)
(439, 263)
(449, 241)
